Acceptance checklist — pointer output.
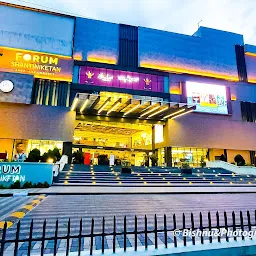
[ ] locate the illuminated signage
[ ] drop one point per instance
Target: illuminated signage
(209, 98)
(41, 65)
(11, 173)
(6, 86)
(120, 79)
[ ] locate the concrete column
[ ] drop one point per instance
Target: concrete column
(168, 156)
(67, 150)
(153, 138)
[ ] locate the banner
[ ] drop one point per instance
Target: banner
(209, 98)
(41, 65)
(121, 79)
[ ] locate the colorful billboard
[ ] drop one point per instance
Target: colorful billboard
(121, 79)
(41, 65)
(209, 98)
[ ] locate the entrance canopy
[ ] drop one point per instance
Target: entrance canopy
(128, 106)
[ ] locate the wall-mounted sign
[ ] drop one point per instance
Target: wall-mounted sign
(6, 86)
(41, 65)
(11, 173)
(209, 98)
(121, 79)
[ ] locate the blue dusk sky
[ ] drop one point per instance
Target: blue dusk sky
(181, 16)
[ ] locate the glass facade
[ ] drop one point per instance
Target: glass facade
(194, 156)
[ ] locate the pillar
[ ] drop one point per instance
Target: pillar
(168, 156)
(252, 157)
(67, 150)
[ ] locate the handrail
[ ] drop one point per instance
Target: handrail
(231, 167)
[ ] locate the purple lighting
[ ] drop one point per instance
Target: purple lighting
(121, 79)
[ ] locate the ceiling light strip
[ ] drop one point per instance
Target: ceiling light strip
(74, 104)
(104, 105)
(114, 106)
(84, 105)
(177, 112)
(159, 111)
(132, 109)
(191, 110)
(151, 110)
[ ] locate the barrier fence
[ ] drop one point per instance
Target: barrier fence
(238, 222)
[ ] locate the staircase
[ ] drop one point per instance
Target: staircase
(75, 174)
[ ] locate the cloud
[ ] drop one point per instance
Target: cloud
(179, 16)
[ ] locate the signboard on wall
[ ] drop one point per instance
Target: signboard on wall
(41, 65)
(121, 79)
(209, 98)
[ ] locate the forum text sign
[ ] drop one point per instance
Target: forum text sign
(41, 65)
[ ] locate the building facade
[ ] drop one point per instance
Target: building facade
(124, 92)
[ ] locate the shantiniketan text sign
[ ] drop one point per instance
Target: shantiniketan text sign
(41, 65)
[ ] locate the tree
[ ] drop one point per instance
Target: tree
(239, 160)
(34, 155)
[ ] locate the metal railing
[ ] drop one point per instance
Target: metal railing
(238, 222)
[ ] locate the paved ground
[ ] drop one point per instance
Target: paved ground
(97, 206)
(144, 189)
(10, 204)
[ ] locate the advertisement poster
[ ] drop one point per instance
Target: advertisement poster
(121, 79)
(41, 65)
(209, 98)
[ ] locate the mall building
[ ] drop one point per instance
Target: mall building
(124, 91)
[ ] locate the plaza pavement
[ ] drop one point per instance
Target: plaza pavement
(87, 207)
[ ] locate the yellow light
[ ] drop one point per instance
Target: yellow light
(118, 178)
(131, 110)
(198, 170)
(190, 183)
(93, 178)
(116, 174)
(159, 111)
(198, 175)
(211, 182)
(249, 182)
(103, 106)
(179, 174)
(176, 69)
(67, 177)
(184, 178)
(120, 182)
(93, 182)
(141, 178)
(50, 160)
(138, 174)
(74, 104)
(151, 172)
(183, 113)
(170, 172)
(230, 182)
(168, 183)
(223, 179)
(216, 175)
(145, 183)
(177, 112)
(159, 174)
(102, 60)
(65, 182)
(241, 179)
(151, 110)
(163, 178)
(204, 178)
(250, 54)
(83, 107)
(132, 172)
(113, 107)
